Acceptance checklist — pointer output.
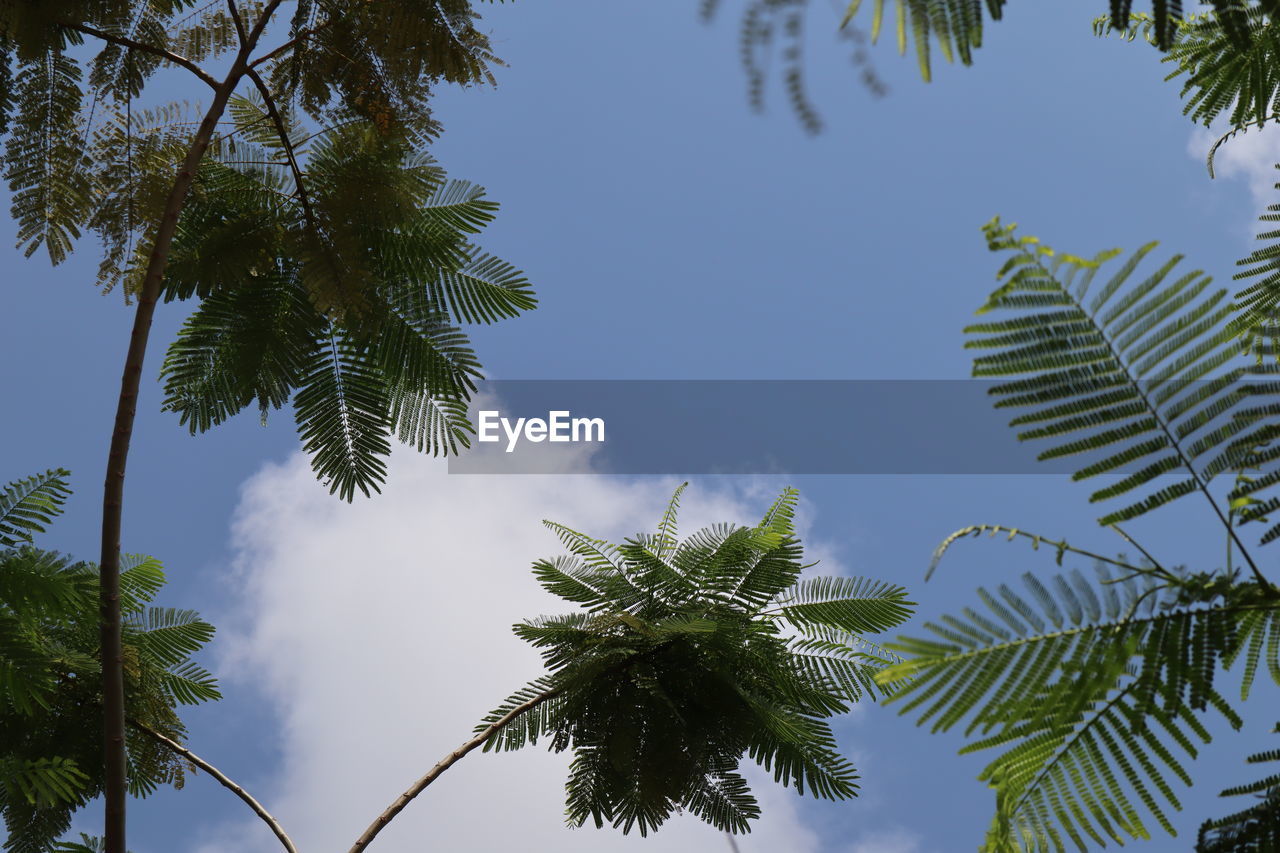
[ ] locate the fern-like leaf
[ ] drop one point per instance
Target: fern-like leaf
(27, 505)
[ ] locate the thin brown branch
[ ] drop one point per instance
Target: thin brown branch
(178, 749)
(237, 20)
(286, 143)
(167, 55)
(282, 131)
(444, 764)
(291, 43)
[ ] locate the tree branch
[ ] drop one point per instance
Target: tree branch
(444, 764)
(177, 748)
(290, 44)
(237, 20)
(282, 131)
(167, 55)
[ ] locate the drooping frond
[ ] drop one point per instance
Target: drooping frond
(955, 25)
(677, 666)
(341, 410)
(340, 287)
(1090, 691)
(1256, 828)
(1136, 376)
(27, 505)
(773, 42)
(45, 157)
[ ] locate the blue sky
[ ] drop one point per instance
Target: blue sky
(671, 233)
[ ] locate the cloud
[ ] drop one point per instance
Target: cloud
(379, 632)
(1251, 156)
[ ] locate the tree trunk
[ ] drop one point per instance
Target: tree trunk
(115, 758)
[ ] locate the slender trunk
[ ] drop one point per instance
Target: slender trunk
(223, 779)
(115, 789)
(115, 758)
(445, 763)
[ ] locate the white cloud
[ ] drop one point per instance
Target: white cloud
(1251, 156)
(380, 633)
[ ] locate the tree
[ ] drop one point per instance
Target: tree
(1093, 690)
(50, 690)
(268, 209)
(685, 656)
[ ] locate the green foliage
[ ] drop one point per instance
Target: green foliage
(1092, 692)
(1088, 689)
(687, 655)
(1136, 376)
(1260, 298)
(1255, 829)
(955, 26)
(50, 696)
(344, 295)
(332, 258)
(29, 504)
(1221, 73)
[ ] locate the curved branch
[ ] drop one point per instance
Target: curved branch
(283, 132)
(167, 55)
(444, 764)
(178, 749)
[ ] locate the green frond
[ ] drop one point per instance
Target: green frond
(854, 605)
(342, 414)
(168, 636)
(45, 160)
(429, 421)
(44, 781)
(86, 844)
(27, 505)
(668, 539)
(241, 346)
(1089, 691)
(1137, 373)
(1260, 297)
(954, 25)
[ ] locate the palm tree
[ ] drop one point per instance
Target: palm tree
(683, 657)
